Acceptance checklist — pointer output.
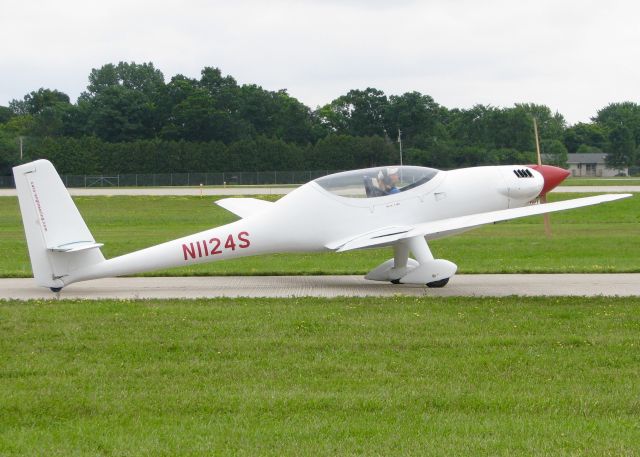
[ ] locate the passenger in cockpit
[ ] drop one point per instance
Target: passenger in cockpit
(387, 180)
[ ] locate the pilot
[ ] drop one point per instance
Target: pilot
(388, 180)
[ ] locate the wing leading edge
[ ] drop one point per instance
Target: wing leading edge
(444, 227)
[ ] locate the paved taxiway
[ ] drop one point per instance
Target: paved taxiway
(319, 286)
(329, 286)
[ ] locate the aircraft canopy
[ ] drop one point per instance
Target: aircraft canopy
(376, 182)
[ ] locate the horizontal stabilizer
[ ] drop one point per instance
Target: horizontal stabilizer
(244, 207)
(76, 246)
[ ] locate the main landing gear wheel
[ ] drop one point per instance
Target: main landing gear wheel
(438, 284)
(395, 281)
(55, 289)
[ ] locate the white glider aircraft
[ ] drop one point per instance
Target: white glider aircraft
(403, 207)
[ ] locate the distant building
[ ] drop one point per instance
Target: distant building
(592, 164)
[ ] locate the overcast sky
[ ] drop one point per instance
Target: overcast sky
(573, 56)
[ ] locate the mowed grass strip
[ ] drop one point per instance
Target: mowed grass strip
(400, 376)
(603, 238)
(587, 181)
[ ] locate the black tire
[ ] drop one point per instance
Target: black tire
(438, 284)
(395, 281)
(55, 289)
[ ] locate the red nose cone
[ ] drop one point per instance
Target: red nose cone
(552, 176)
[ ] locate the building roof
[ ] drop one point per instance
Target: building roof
(597, 157)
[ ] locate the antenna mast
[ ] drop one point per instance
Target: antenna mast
(400, 141)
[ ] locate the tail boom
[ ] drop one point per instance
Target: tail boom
(63, 250)
(220, 243)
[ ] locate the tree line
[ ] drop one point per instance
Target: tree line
(129, 120)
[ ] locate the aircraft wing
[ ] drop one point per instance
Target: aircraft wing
(443, 227)
(381, 237)
(244, 207)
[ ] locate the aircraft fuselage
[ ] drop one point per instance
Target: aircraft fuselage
(310, 218)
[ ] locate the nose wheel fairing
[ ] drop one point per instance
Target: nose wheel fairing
(424, 269)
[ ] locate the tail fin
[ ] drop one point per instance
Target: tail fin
(58, 239)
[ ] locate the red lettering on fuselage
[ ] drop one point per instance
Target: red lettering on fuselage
(214, 246)
(244, 238)
(188, 250)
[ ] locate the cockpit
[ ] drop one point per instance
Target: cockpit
(376, 182)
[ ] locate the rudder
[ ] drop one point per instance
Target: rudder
(58, 239)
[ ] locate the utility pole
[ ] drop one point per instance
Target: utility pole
(400, 141)
(20, 149)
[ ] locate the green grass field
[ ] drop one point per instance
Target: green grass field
(618, 181)
(603, 238)
(401, 376)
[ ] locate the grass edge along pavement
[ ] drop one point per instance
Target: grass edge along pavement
(399, 376)
(597, 239)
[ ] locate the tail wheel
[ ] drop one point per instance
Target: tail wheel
(438, 284)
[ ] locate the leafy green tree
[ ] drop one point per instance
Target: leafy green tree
(334, 118)
(20, 125)
(120, 114)
(276, 154)
(551, 126)
(374, 151)
(225, 122)
(179, 88)
(293, 121)
(471, 156)
(622, 148)
(243, 156)
(122, 101)
(175, 92)
(505, 134)
(555, 152)
(345, 152)
(588, 134)
(436, 139)
(415, 115)
(191, 119)
(416, 156)
(35, 102)
(626, 114)
(143, 78)
(441, 157)
(586, 149)
(5, 114)
(223, 89)
(50, 121)
(9, 155)
(275, 114)
(511, 128)
(47, 109)
(359, 113)
(513, 156)
(472, 127)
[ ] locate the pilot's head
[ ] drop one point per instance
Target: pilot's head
(389, 176)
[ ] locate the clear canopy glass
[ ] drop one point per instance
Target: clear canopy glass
(376, 182)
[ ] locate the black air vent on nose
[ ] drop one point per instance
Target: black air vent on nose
(523, 173)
